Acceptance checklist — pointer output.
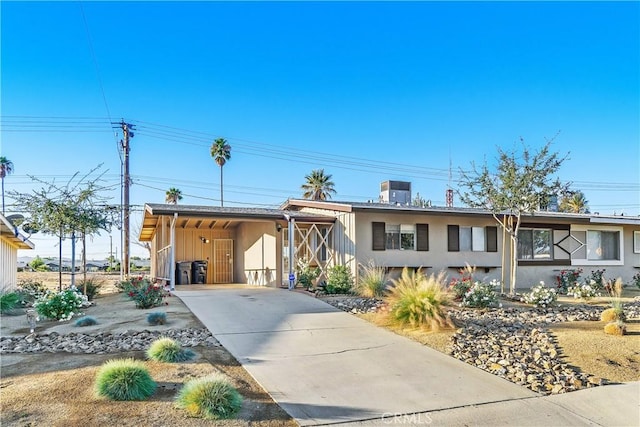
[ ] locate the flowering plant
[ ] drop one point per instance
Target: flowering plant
(146, 294)
(597, 279)
(481, 295)
(567, 279)
(540, 296)
(585, 290)
(459, 287)
(60, 305)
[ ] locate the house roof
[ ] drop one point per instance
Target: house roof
(541, 216)
(211, 217)
(11, 233)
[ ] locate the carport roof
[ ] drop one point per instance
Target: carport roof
(225, 217)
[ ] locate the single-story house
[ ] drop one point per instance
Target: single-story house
(255, 246)
(11, 239)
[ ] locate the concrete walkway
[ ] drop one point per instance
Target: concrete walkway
(324, 366)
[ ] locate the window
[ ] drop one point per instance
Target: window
(636, 242)
(597, 245)
(399, 236)
(476, 239)
(535, 244)
(603, 245)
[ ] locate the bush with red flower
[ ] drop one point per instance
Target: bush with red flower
(144, 293)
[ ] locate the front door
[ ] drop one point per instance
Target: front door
(223, 261)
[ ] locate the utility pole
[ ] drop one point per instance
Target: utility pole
(127, 133)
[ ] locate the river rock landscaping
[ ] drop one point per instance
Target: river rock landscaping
(513, 342)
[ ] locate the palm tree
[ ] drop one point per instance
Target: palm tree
(221, 152)
(6, 168)
(318, 186)
(173, 195)
(574, 202)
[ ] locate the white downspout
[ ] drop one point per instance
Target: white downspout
(172, 267)
(292, 250)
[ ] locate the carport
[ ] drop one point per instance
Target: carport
(233, 245)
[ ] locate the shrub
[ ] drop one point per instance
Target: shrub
(60, 305)
(612, 314)
(157, 318)
(86, 321)
(418, 300)
(9, 301)
(615, 328)
(460, 286)
(146, 294)
(169, 351)
(540, 296)
(596, 279)
(635, 280)
(586, 291)
(614, 288)
(211, 397)
(30, 291)
(124, 379)
(481, 295)
(567, 278)
(339, 280)
(306, 274)
(90, 287)
(372, 281)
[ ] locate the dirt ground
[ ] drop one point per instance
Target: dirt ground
(56, 389)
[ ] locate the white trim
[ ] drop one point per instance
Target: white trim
(590, 262)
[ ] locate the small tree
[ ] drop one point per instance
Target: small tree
(77, 207)
(37, 264)
(519, 185)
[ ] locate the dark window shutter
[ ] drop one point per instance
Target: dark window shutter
(422, 236)
(453, 235)
(492, 239)
(378, 233)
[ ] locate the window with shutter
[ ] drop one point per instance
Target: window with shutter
(453, 238)
(422, 236)
(492, 239)
(378, 235)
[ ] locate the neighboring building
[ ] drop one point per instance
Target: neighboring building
(11, 239)
(253, 245)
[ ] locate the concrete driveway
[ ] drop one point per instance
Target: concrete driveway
(324, 366)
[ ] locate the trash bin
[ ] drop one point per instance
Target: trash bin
(199, 272)
(183, 273)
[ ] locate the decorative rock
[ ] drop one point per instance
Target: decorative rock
(102, 343)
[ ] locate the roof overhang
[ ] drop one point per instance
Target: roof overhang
(218, 218)
(10, 233)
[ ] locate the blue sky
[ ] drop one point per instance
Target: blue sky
(367, 91)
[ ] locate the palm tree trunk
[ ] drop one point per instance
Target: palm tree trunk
(2, 196)
(221, 189)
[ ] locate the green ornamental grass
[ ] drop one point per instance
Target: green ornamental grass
(372, 281)
(418, 301)
(168, 351)
(8, 301)
(211, 397)
(124, 379)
